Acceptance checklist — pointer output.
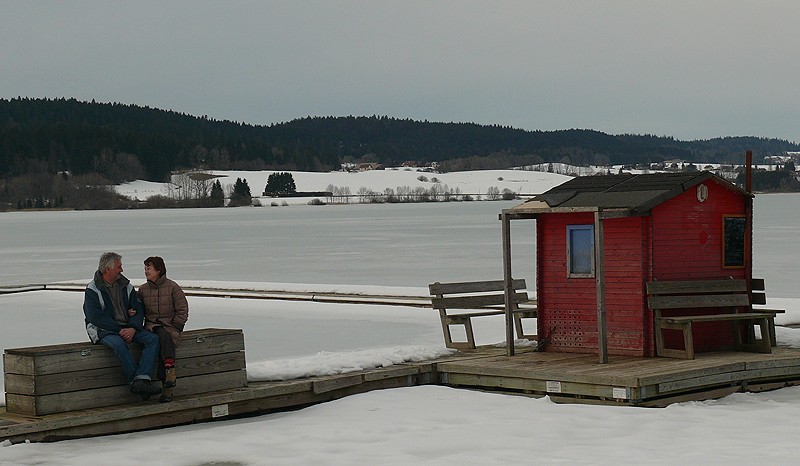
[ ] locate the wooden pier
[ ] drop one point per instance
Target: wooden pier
(567, 378)
(631, 381)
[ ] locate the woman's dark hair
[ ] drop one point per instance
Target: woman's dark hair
(158, 264)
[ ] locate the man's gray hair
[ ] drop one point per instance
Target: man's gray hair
(108, 260)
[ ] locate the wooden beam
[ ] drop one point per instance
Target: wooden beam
(602, 337)
(508, 287)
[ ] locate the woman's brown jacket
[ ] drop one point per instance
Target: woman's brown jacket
(164, 305)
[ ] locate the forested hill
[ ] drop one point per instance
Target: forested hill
(123, 142)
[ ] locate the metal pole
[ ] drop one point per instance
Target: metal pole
(748, 171)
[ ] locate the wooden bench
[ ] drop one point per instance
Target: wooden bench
(456, 302)
(59, 378)
(758, 299)
(732, 295)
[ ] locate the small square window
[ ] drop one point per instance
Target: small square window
(580, 251)
(733, 247)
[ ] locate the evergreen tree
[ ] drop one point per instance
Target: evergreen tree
(280, 184)
(241, 193)
(217, 195)
(244, 189)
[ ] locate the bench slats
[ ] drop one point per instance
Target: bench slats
(462, 318)
(475, 302)
(696, 286)
(758, 284)
(118, 394)
(53, 359)
(110, 376)
(759, 298)
(473, 287)
(698, 301)
(718, 317)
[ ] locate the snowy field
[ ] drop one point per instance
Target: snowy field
(475, 183)
(420, 425)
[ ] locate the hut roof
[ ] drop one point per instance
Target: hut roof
(626, 194)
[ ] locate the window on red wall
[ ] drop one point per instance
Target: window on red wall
(580, 251)
(734, 229)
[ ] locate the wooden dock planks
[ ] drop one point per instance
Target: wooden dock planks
(564, 377)
(627, 380)
(255, 398)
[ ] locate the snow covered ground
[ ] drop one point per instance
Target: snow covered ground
(534, 179)
(420, 425)
(470, 182)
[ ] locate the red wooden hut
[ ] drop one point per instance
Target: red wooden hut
(600, 239)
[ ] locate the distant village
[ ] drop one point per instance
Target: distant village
(409, 164)
(785, 162)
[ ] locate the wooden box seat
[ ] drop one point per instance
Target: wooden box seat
(59, 378)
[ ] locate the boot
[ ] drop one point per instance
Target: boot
(166, 395)
(169, 378)
(144, 388)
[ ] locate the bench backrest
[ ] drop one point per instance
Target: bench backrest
(758, 295)
(687, 294)
(475, 295)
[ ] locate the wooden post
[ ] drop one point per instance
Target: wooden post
(600, 284)
(508, 288)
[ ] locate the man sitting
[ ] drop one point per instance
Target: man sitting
(115, 317)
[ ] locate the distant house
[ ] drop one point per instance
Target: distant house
(664, 226)
(672, 165)
(362, 167)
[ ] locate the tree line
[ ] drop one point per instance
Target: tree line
(61, 152)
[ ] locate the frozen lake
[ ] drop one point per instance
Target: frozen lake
(406, 245)
(385, 244)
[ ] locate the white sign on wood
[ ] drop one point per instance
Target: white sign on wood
(553, 386)
(219, 410)
(620, 393)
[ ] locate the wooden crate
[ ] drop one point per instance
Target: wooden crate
(59, 378)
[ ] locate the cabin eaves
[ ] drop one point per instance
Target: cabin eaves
(615, 195)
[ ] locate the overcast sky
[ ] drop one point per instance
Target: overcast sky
(689, 69)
